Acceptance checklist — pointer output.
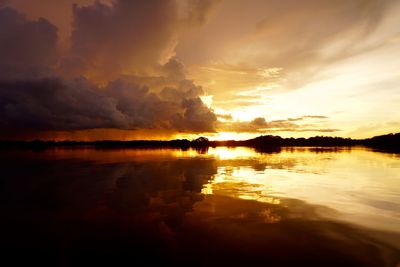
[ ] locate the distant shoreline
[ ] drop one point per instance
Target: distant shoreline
(268, 142)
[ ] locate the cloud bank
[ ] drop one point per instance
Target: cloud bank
(27, 48)
(119, 72)
(57, 104)
(118, 64)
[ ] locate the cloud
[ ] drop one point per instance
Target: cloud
(128, 36)
(177, 108)
(220, 75)
(321, 130)
(315, 117)
(257, 125)
(56, 104)
(107, 39)
(301, 39)
(124, 37)
(49, 104)
(27, 48)
(226, 117)
(314, 25)
(260, 125)
(196, 12)
(307, 117)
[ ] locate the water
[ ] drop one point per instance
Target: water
(223, 206)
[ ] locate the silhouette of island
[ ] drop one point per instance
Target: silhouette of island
(261, 143)
(389, 141)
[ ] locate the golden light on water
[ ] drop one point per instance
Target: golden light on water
(341, 179)
(236, 192)
(237, 182)
(357, 183)
(224, 153)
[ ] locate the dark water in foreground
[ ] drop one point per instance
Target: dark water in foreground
(237, 207)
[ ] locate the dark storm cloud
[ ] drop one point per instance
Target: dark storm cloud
(196, 117)
(56, 104)
(178, 108)
(27, 48)
(52, 104)
(126, 36)
(33, 96)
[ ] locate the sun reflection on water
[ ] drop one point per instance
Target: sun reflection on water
(271, 204)
(225, 153)
(237, 182)
(358, 183)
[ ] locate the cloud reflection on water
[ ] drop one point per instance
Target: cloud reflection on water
(221, 207)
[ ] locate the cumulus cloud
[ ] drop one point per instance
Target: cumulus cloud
(129, 36)
(196, 117)
(177, 108)
(124, 37)
(56, 104)
(27, 48)
(37, 95)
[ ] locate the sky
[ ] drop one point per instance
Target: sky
(224, 69)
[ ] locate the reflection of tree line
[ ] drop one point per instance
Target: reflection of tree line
(77, 186)
(85, 212)
(169, 188)
(91, 210)
(80, 187)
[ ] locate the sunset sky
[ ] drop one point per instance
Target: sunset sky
(225, 69)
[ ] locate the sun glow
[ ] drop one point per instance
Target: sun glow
(227, 153)
(207, 100)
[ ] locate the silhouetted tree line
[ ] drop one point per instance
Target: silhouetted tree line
(261, 143)
(388, 141)
(277, 141)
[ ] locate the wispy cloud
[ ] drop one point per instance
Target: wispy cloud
(260, 126)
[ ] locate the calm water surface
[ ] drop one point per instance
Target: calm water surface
(223, 206)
